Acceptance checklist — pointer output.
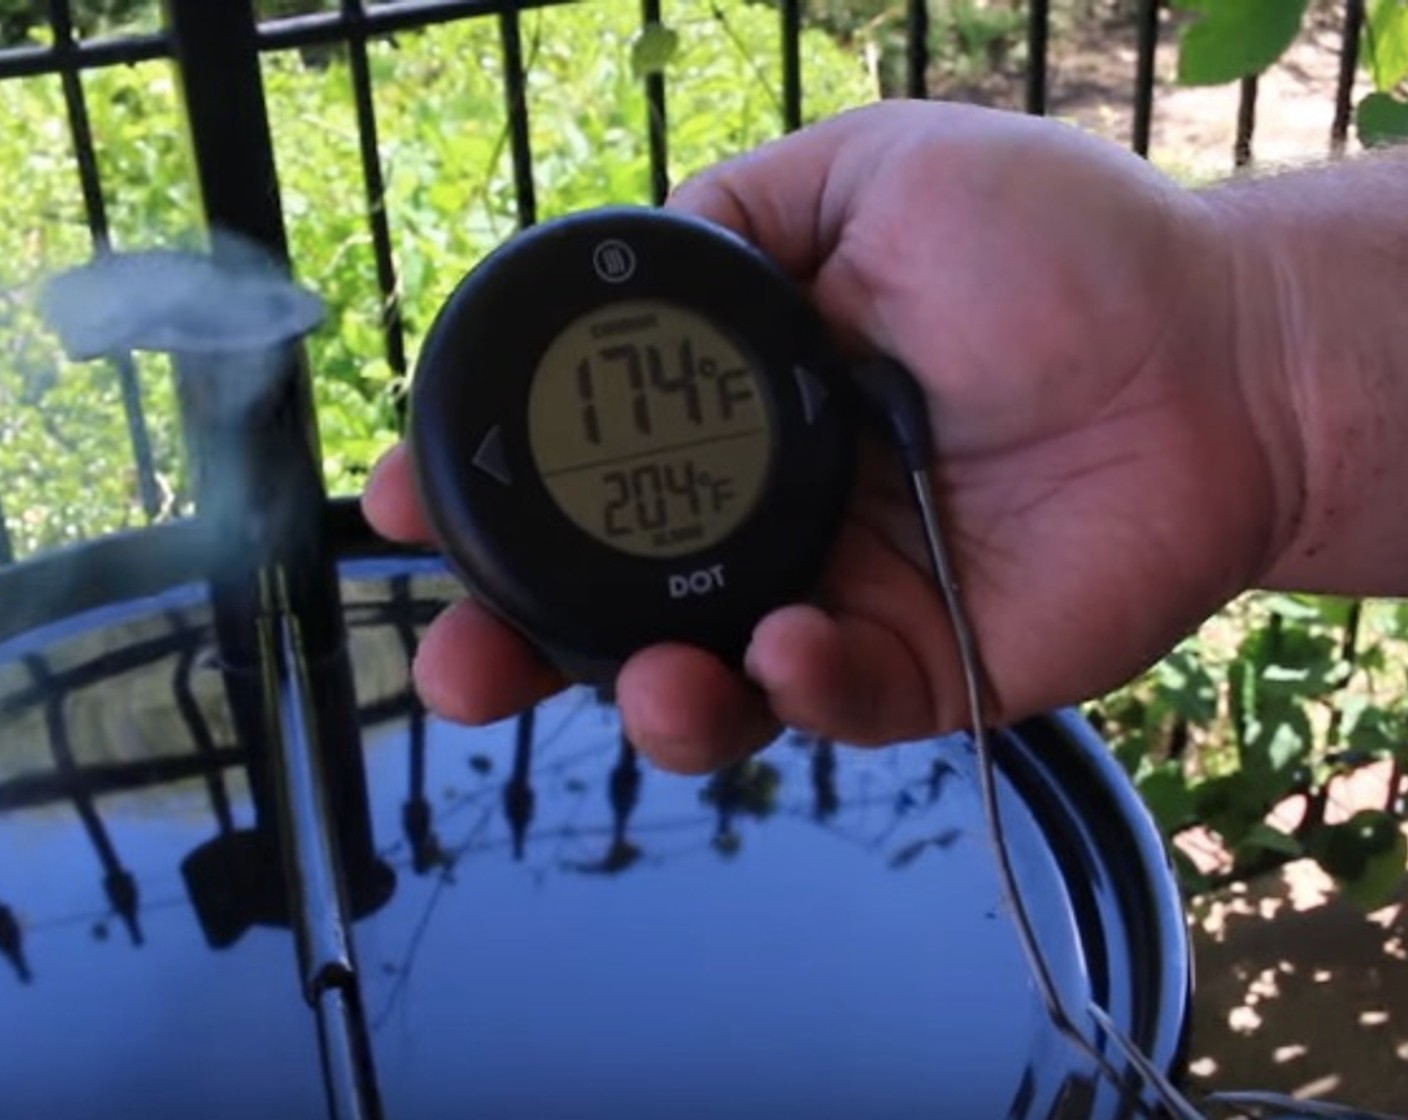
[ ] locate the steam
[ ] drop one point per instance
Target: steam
(229, 313)
(231, 318)
(234, 299)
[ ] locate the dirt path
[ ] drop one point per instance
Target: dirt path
(1300, 992)
(1091, 82)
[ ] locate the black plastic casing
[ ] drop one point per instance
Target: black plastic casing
(587, 606)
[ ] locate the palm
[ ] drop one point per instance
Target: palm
(1085, 433)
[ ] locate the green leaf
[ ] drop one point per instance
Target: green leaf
(1165, 791)
(1381, 120)
(1378, 883)
(1334, 610)
(1386, 43)
(1294, 607)
(1394, 617)
(1232, 805)
(1273, 839)
(1235, 39)
(1188, 688)
(653, 49)
(1374, 730)
(1366, 854)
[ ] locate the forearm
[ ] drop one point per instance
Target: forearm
(1320, 263)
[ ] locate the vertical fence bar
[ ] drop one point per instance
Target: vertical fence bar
(655, 102)
(1246, 123)
(95, 211)
(516, 104)
(1038, 41)
(1148, 45)
(1349, 68)
(791, 28)
(259, 481)
(393, 326)
(917, 48)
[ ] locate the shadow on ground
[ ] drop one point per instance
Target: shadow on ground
(1299, 991)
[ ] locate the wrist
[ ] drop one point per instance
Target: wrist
(1261, 296)
(1321, 262)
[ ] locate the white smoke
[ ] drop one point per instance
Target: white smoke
(228, 311)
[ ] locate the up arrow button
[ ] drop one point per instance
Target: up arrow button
(490, 457)
(813, 393)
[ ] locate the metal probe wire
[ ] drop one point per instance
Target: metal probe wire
(890, 389)
(1040, 969)
(889, 386)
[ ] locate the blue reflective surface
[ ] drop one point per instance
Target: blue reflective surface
(816, 934)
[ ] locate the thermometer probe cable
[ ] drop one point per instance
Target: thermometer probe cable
(894, 394)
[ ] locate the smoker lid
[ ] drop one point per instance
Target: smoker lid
(818, 933)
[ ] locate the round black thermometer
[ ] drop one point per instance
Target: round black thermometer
(629, 427)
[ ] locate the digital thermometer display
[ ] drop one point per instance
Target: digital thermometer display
(650, 428)
(630, 427)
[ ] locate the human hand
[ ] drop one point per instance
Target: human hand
(1069, 314)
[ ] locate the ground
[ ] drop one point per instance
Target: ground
(1091, 82)
(1298, 991)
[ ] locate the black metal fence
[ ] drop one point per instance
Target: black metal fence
(216, 46)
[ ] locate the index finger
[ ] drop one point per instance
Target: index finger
(390, 500)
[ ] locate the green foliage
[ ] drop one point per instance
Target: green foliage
(66, 462)
(1366, 855)
(978, 35)
(65, 457)
(23, 21)
(1234, 39)
(967, 38)
(1270, 703)
(1381, 119)
(1386, 43)
(655, 47)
